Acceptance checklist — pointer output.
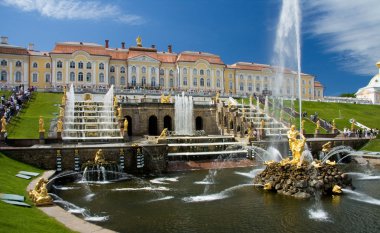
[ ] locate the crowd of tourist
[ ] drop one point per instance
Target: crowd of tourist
(10, 106)
(360, 133)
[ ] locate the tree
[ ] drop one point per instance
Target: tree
(347, 95)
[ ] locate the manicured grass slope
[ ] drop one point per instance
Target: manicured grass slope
(16, 218)
(373, 145)
(25, 125)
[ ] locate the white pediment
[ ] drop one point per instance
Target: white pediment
(144, 59)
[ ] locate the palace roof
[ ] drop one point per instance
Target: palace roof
(190, 56)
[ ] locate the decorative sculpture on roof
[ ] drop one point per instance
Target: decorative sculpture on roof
(138, 41)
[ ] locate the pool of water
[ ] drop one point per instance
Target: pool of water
(220, 201)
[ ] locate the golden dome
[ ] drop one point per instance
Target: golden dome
(378, 64)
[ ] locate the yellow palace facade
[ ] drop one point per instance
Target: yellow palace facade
(94, 66)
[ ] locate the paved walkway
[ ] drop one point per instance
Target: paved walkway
(69, 220)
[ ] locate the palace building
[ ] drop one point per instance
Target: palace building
(90, 65)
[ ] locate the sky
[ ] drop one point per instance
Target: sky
(339, 38)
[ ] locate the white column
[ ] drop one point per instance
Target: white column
(66, 79)
(53, 74)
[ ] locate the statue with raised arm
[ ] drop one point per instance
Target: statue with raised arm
(3, 124)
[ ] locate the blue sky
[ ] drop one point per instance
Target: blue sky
(340, 38)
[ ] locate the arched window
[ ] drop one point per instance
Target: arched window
(101, 78)
(35, 65)
(34, 77)
(3, 75)
(162, 72)
(257, 78)
(201, 72)
(241, 86)
(143, 70)
(218, 83)
(195, 82)
(122, 80)
(101, 66)
(122, 70)
(171, 73)
(112, 80)
(250, 87)
(88, 66)
(47, 65)
(241, 76)
(152, 70)
(218, 73)
(88, 77)
(18, 76)
(112, 69)
(171, 83)
(208, 82)
(201, 82)
(258, 87)
(153, 82)
(249, 77)
(162, 82)
(80, 65)
(18, 64)
(195, 72)
(80, 77)
(230, 85)
(265, 79)
(133, 69)
(59, 64)
(72, 77)
(72, 64)
(185, 81)
(184, 71)
(143, 81)
(59, 76)
(4, 63)
(47, 78)
(133, 80)
(208, 73)
(230, 76)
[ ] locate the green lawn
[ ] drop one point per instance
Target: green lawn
(6, 93)
(16, 218)
(25, 125)
(373, 145)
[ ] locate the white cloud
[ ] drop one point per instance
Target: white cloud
(75, 10)
(350, 29)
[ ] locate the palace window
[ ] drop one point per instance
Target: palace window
(309, 91)
(208, 73)
(18, 64)
(171, 73)
(59, 76)
(143, 70)
(35, 77)
(185, 81)
(3, 75)
(257, 78)
(201, 72)
(153, 82)
(112, 69)
(230, 76)
(208, 82)
(18, 76)
(195, 72)
(249, 77)
(303, 91)
(241, 76)
(72, 77)
(218, 73)
(241, 86)
(88, 66)
(80, 65)
(171, 82)
(162, 82)
(201, 82)
(231, 85)
(47, 65)
(258, 87)
(88, 77)
(122, 80)
(152, 70)
(112, 80)
(133, 69)
(59, 64)
(35, 65)
(265, 79)
(4, 63)
(47, 78)
(250, 87)
(184, 71)
(80, 77)
(101, 66)
(133, 80)
(162, 72)
(218, 83)
(143, 81)
(288, 90)
(195, 82)
(72, 64)
(101, 78)
(122, 69)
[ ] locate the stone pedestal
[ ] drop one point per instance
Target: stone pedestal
(42, 137)
(59, 135)
(125, 136)
(2, 136)
(334, 131)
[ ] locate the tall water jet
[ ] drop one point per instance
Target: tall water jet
(287, 50)
(108, 110)
(183, 115)
(69, 108)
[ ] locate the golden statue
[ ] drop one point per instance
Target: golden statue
(61, 112)
(262, 124)
(165, 99)
(303, 124)
(3, 125)
(326, 147)
(298, 148)
(64, 90)
(39, 195)
(115, 101)
(63, 102)
(163, 134)
(99, 157)
(119, 114)
(125, 126)
(352, 125)
(337, 189)
(333, 125)
(139, 41)
(318, 125)
(41, 125)
(217, 97)
(59, 125)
